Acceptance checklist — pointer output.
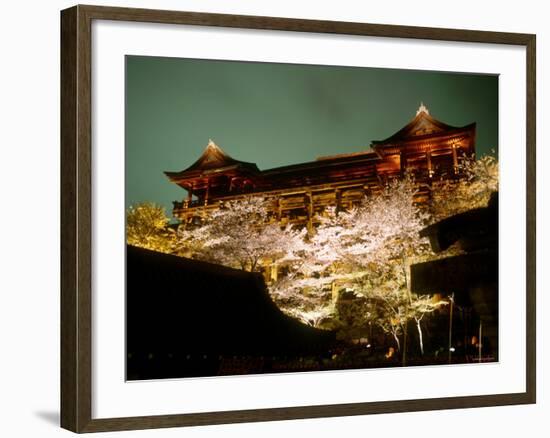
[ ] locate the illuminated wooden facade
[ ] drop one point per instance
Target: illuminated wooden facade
(425, 147)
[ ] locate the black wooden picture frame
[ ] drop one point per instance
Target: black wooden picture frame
(76, 218)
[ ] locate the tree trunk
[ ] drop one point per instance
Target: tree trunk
(451, 327)
(420, 339)
(404, 355)
(397, 341)
(406, 325)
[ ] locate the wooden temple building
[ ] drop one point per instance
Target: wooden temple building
(425, 147)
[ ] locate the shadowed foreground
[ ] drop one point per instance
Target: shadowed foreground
(472, 277)
(189, 318)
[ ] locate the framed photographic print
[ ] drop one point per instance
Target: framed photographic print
(325, 218)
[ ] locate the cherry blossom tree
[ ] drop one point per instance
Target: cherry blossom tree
(383, 227)
(367, 249)
(241, 234)
(480, 179)
(311, 306)
(392, 306)
(420, 306)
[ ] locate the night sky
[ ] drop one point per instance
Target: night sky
(279, 114)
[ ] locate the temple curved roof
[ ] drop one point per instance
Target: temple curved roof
(422, 126)
(213, 160)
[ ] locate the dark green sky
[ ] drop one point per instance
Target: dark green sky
(279, 114)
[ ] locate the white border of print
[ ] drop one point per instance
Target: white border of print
(114, 397)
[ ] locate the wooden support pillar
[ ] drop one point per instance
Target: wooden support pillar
(207, 194)
(274, 272)
(429, 164)
(189, 197)
(334, 291)
(455, 160)
(266, 272)
(338, 197)
(308, 207)
(367, 190)
(402, 163)
(279, 209)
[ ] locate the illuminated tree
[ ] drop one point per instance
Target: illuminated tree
(311, 305)
(384, 227)
(420, 306)
(393, 222)
(481, 179)
(391, 305)
(367, 249)
(147, 227)
(241, 234)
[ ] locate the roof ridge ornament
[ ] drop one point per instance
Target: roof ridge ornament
(422, 109)
(212, 144)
